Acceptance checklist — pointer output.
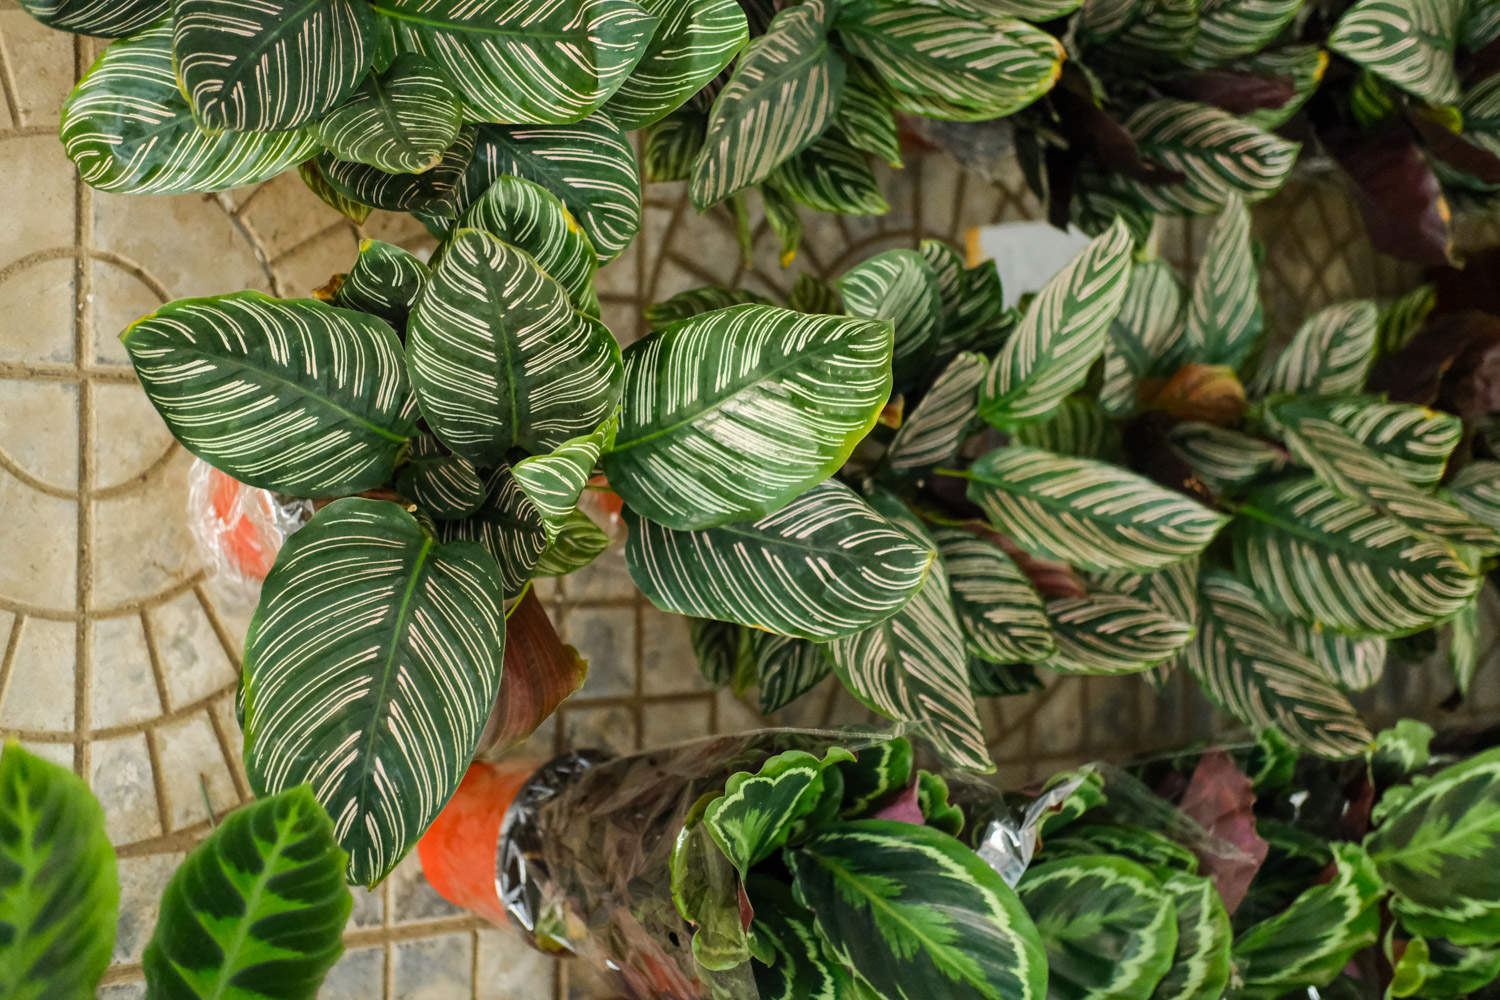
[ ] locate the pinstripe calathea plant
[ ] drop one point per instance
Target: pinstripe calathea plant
(1121, 478)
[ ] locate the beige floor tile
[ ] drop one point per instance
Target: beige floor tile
(193, 658)
(128, 438)
(36, 304)
(43, 220)
(41, 65)
(123, 683)
(48, 451)
(142, 546)
(39, 693)
(39, 541)
(195, 776)
(122, 778)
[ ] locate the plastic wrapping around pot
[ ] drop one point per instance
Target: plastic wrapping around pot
(239, 529)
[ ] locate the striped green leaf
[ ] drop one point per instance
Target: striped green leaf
(797, 969)
(1401, 750)
(1309, 943)
(258, 908)
(864, 117)
(1228, 29)
(1304, 65)
(1219, 153)
(1092, 515)
(1029, 10)
(531, 63)
(1248, 666)
(1407, 42)
(312, 176)
(60, 893)
(1078, 427)
(1173, 591)
(1479, 24)
(286, 394)
(720, 647)
(1439, 969)
(787, 668)
(693, 41)
(445, 486)
(878, 773)
(1224, 316)
(269, 67)
(1439, 850)
(128, 129)
(898, 287)
(1358, 473)
(706, 890)
(1402, 318)
(1464, 644)
(1002, 616)
(975, 66)
(730, 414)
(932, 799)
(1106, 633)
(1108, 926)
(997, 680)
(1414, 440)
(932, 432)
(1330, 354)
(384, 282)
(508, 526)
(432, 191)
(576, 541)
(1140, 30)
(783, 94)
(1063, 333)
(1225, 460)
(911, 667)
(1201, 964)
(401, 120)
(782, 217)
(811, 294)
(1352, 664)
(1314, 555)
(1476, 489)
(753, 817)
(370, 668)
(1154, 851)
(831, 175)
(694, 301)
(555, 481)
(1146, 337)
(825, 565)
(499, 357)
(672, 144)
(112, 19)
(589, 165)
(915, 913)
(975, 317)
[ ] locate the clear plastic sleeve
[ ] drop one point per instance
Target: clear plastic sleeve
(238, 529)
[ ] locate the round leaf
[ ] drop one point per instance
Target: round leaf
(400, 120)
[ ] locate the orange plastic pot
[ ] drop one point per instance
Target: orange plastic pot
(458, 850)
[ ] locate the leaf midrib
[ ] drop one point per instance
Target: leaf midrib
(487, 30)
(287, 22)
(394, 127)
(230, 967)
(1336, 542)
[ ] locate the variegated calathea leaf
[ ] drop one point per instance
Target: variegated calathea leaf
(401, 120)
(1309, 943)
(932, 432)
(730, 414)
(1441, 969)
(975, 317)
(128, 129)
(876, 776)
(1063, 333)
(115, 19)
(1077, 426)
(589, 165)
(1035, 11)
(1314, 555)
(786, 668)
(1303, 65)
(1107, 633)
(1224, 316)
(1407, 42)
(721, 648)
(509, 526)
(1108, 926)
(913, 912)
(1414, 440)
(1401, 319)
(1464, 644)
(966, 66)
(555, 481)
(672, 144)
(528, 64)
(1146, 336)
(898, 287)
(1225, 460)
(932, 800)
(1478, 25)
(1154, 851)
(1173, 591)
(1248, 666)
(1218, 153)
(1229, 29)
(988, 679)
(823, 566)
(1476, 489)
(1353, 471)
(811, 294)
(312, 176)
(754, 815)
(550, 373)
(693, 41)
(1201, 964)
(62, 887)
(693, 301)
(1352, 664)
(1330, 354)
(1439, 850)
(432, 191)
(384, 282)
(286, 394)
(445, 486)
(575, 542)
(866, 120)
(370, 668)
(261, 900)
(1092, 515)
(783, 94)
(831, 175)
(269, 67)
(1001, 614)
(796, 968)
(782, 217)
(911, 667)
(706, 890)
(1148, 31)
(531, 218)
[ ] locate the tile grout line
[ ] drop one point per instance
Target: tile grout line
(82, 316)
(12, 644)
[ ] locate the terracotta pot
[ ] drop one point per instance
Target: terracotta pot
(458, 850)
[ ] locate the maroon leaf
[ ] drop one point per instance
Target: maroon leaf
(904, 808)
(1456, 151)
(1050, 577)
(1400, 198)
(1237, 93)
(540, 672)
(1453, 364)
(1220, 798)
(1090, 131)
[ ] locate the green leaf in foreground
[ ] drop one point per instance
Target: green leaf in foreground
(754, 816)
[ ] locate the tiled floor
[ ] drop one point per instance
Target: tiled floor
(118, 653)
